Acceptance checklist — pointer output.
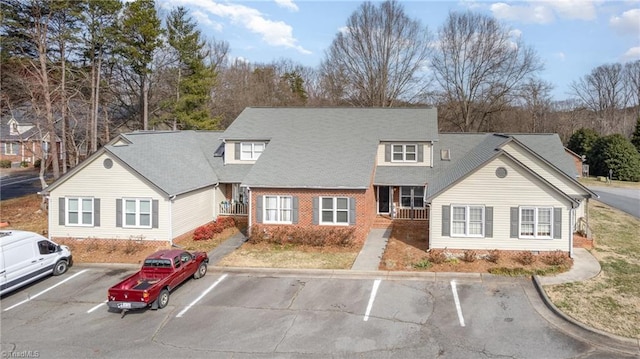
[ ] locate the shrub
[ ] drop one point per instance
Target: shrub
(493, 256)
(469, 256)
(436, 256)
(423, 264)
(209, 230)
(525, 258)
(297, 235)
(37, 163)
(582, 140)
(5, 163)
(24, 164)
(616, 153)
(557, 258)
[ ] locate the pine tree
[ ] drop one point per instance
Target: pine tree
(635, 137)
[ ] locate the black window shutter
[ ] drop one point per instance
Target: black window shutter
(387, 153)
(316, 210)
(154, 213)
(557, 223)
(514, 220)
(446, 215)
(259, 209)
(118, 212)
(420, 153)
(488, 222)
(61, 211)
(352, 210)
(96, 212)
(237, 151)
(294, 210)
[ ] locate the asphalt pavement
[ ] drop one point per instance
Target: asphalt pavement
(624, 199)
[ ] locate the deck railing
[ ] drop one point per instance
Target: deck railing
(419, 214)
(233, 209)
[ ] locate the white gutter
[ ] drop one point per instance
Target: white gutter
(572, 216)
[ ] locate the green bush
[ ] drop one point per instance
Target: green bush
(298, 235)
(37, 163)
(615, 152)
(24, 164)
(582, 140)
(5, 163)
(635, 137)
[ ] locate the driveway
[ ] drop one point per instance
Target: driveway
(624, 199)
(246, 315)
(18, 183)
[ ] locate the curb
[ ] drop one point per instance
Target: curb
(628, 345)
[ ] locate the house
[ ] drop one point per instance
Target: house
(20, 142)
(327, 168)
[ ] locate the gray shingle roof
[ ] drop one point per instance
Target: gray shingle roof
(325, 147)
(175, 162)
(470, 151)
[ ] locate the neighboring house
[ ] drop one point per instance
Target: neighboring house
(20, 142)
(327, 168)
(582, 169)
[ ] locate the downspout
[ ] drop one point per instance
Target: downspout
(431, 150)
(430, 231)
(215, 201)
(171, 198)
(250, 211)
(572, 216)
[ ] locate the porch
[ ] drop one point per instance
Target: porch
(227, 208)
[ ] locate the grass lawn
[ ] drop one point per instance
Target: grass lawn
(610, 301)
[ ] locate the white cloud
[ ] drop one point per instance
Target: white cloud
(287, 4)
(203, 19)
(632, 54)
(544, 12)
(561, 56)
(627, 23)
(274, 33)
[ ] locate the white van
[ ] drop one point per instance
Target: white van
(27, 256)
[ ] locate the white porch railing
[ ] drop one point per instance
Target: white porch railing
(412, 213)
(233, 209)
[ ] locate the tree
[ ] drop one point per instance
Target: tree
(378, 59)
(195, 79)
(478, 66)
(140, 37)
(615, 153)
(582, 140)
(603, 91)
(635, 137)
(536, 98)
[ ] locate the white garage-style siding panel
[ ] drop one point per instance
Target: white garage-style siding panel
(107, 184)
(192, 210)
(483, 187)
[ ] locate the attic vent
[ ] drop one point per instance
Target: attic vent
(445, 155)
(501, 172)
(107, 163)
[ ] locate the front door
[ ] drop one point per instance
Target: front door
(383, 200)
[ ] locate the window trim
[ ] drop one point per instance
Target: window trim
(279, 209)
(9, 148)
(404, 152)
(467, 221)
(137, 212)
(413, 196)
(334, 210)
(535, 222)
(253, 154)
(80, 211)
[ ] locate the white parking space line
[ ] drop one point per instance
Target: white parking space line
(96, 307)
(374, 291)
(201, 295)
(457, 301)
(44, 291)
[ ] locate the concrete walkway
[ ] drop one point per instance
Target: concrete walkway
(585, 266)
(371, 253)
(226, 247)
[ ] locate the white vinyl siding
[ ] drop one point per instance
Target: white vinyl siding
(108, 185)
(185, 219)
(518, 189)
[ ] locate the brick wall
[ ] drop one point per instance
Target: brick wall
(365, 206)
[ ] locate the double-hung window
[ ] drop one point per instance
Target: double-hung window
(79, 211)
(334, 210)
(467, 221)
(412, 197)
(404, 153)
(536, 222)
(11, 148)
(250, 151)
(136, 212)
(278, 209)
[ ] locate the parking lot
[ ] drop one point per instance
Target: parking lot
(247, 315)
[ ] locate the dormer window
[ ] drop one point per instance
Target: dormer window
(404, 153)
(251, 151)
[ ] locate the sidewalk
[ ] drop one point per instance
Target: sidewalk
(585, 266)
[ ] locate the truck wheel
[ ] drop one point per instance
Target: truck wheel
(202, 270)
(60, 267)
(163, 298)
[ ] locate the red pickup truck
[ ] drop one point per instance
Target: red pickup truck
(161, 272)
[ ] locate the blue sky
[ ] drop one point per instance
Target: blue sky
(570, 36)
